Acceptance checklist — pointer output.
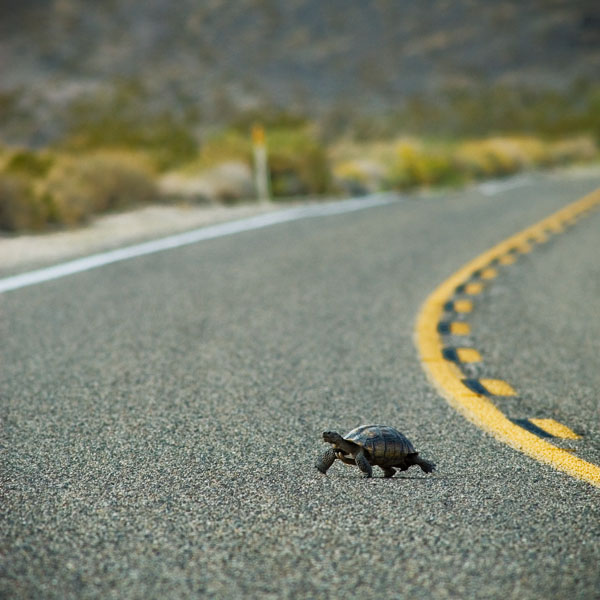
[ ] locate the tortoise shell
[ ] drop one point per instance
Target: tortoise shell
(384, 445)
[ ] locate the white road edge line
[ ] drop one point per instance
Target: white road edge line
(209, 232)
(497, 186)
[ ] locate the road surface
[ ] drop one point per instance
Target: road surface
(162, 415)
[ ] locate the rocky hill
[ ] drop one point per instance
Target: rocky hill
(215, 58)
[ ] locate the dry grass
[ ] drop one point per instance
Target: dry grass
(41, 191)
(80, 187)
(45, 189)
(20, 208)
(411, 162)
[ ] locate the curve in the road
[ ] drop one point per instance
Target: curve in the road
(443, 314)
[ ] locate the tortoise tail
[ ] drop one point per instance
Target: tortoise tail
(426, 465)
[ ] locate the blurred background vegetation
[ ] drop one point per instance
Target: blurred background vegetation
(113, 106)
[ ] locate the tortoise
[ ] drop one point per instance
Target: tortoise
(372, 445)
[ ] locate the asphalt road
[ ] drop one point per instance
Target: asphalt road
(161, 416)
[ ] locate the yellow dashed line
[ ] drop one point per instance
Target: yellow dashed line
(447, 377)
(468, 355)
(460, 328)
(556, 226)
(498, 387)
(507, 259)
(555, 428)
(541, 237)
(525, 248)
(488, 273)
(473, 288)
(463, 306)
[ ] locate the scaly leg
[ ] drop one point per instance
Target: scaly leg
(363, 463)
(325, 461)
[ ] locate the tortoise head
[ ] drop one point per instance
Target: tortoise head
(332, 437)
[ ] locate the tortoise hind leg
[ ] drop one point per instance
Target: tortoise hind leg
(325, 461)
(363, 464)
(414, 459)
(388, 471)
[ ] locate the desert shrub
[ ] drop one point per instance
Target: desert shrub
(122, 119)
(505, 155)
(413, 162)
(359, 176)
(221, 172)
(222, 147)
(81, 187)
(573, 150)
(498, 156)
(20, 207)
(532, 152)
(167, 142)
(473, 162)
(29, 163)
(419, 165)
(298, 163)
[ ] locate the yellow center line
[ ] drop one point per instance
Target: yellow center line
(473, 288)
(555, 428)
(541, 237)
(460, 328)
(507, 259)
(446, 376)
(556, 227)
(498, 387)
(468, 355)
(489, 273)
(463, 306)
(525, 248)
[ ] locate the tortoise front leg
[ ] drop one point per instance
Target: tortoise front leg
(363, 463)
(325, 461)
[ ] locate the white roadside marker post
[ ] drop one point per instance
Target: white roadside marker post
(261, 165)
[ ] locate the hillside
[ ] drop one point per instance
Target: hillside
(211, 60)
